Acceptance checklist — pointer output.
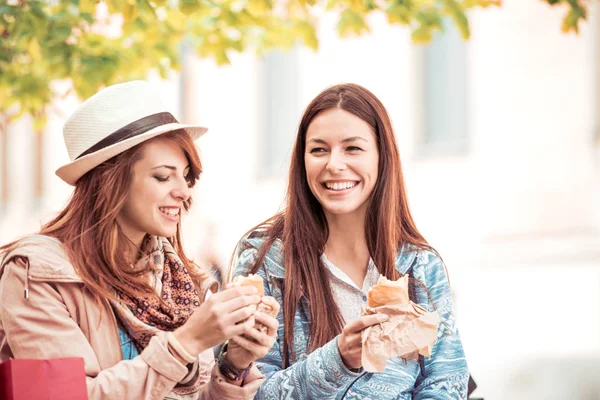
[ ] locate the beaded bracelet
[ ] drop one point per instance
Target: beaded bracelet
(228, 370)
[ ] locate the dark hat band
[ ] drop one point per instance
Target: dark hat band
(135, 128)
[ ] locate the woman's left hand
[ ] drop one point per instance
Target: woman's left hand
(242, 352)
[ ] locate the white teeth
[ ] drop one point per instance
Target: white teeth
(340, 185)
(170, 211)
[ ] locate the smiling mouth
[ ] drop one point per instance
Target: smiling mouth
(170, 211)
(339, 186)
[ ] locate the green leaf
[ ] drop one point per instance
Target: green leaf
(221, 56)
(258, 7)
(6, 9)
(130, 12)
(466, 4)
(398, 14)
(60, 32)
(352, 22)
(459, 17)
(307, 32)
(422, 34)
(36, 10)
(39, 122)
(189, 7)
(87, 6)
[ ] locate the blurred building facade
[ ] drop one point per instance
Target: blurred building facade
(500, 140)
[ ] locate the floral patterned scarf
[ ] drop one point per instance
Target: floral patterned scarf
(144, 317)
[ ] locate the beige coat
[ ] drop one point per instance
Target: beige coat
(59, 319)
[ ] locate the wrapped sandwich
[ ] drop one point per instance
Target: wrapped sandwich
(410, 330)
(258, 282)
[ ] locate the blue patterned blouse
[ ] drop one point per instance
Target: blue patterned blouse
(323, 375)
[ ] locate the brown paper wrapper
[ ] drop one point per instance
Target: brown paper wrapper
(411, 330)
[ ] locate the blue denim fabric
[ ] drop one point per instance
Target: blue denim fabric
(127, 346)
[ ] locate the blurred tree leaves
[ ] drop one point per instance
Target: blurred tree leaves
(92, 43)
(577, 11)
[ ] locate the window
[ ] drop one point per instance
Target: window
(445, 105)
(280, 112)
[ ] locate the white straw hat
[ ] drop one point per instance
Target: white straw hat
(114, 120)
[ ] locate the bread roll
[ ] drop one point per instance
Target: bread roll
(258, 282)
(251, 280)
(387, 292)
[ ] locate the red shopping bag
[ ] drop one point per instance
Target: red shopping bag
(56, 379)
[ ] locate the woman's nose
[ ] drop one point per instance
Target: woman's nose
(182, 191)
(336, 162)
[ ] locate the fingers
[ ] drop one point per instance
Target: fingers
(256, 349)
(271, 323)
(261, 338)
(238, 303)
(270, 301)
(234, 292)
(352, 341)
(363, 322)
(242, 314)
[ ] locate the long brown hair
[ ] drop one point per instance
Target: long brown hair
(302, 226)
(90, 235)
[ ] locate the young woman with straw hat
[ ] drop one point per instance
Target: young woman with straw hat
(107, 279)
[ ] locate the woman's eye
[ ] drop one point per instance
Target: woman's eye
(354, 148)
(161, 178)
(317, 150)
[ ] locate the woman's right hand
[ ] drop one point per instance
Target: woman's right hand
(350, 341)
(218, 319)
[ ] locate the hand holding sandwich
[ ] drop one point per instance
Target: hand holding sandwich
(254, 343)
(222, 316)
(350, 341)
(410, 331)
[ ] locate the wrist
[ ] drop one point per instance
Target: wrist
(346, 362)
(175, 354)
(179, 351)
(230, 370)
(189, 343)
(237, 363)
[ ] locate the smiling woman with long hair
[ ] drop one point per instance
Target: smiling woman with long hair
(107, 279)
(345, 224)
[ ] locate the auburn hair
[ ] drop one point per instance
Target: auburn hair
(88, 230)
(302, 226)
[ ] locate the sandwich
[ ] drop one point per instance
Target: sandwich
(258, 282)
(251, 280)
(387, 293)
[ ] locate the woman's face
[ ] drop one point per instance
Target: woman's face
(341, 161)
(158, 190)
